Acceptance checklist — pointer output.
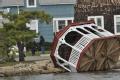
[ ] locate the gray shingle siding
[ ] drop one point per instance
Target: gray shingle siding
(59, 10)
(47, 31)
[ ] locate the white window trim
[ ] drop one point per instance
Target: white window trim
(57, 19)
(115, 27)
(95, 17)
(29, 6)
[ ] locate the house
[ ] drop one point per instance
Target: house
(105, 13)
(61, 10)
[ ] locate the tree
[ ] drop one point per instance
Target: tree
(3, 46)
(16, 30)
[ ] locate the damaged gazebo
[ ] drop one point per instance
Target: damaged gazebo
(85, 47)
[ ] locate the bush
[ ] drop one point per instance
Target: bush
(37, 46)
(47, 46)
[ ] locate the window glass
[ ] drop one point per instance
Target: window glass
(31, 2)
(61, 24)
(118, 24)
(99, 21)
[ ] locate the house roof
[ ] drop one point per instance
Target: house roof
(4, 3)
(54, 2)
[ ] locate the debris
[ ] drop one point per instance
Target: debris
(85, 47)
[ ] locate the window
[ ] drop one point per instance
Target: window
(117, 24)
(99, 20)
(33, 25)
(59, 23)
(31, 3)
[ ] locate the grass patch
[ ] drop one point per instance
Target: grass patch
(37, 53)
